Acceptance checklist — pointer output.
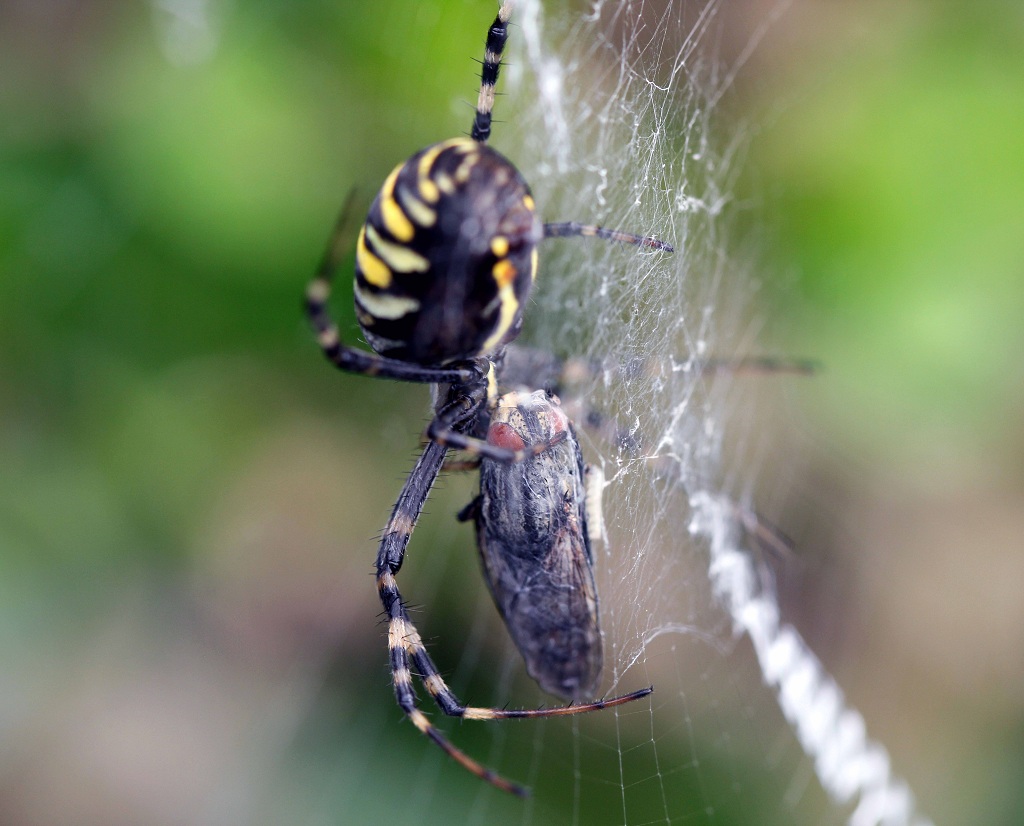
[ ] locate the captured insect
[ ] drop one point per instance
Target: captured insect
(445, 262)
(534, 541)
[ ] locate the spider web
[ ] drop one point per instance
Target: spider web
(616, 124)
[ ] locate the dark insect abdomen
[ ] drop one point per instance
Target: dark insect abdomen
(532, 536)
(447, 255)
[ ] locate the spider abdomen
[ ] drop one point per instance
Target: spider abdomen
(531, 526)
(447, 255)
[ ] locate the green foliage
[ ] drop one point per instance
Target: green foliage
(901, 204)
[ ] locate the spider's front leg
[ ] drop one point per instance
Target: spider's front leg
(402, 635)
(403, 640)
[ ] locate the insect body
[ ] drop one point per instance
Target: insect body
(531, 525)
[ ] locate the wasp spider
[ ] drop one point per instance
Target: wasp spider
(444, 264)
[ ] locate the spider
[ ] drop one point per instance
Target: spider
(444, 264)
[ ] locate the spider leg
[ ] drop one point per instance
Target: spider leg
(450, 705)
(524, 365)
(569, 378)
(522, 362)
(445, 430)
(572, 229)
(497, 36)
(400, 629)
(438, 432)
(352, 359)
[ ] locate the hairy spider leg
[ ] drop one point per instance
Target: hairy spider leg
(443, 433)
(352, 359)
(497, 36)
(573, 229)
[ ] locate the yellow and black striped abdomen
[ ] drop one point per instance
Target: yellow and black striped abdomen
(447, 255)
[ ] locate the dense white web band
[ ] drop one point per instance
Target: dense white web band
(850, 766)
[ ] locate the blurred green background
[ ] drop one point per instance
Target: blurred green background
(189, 495)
